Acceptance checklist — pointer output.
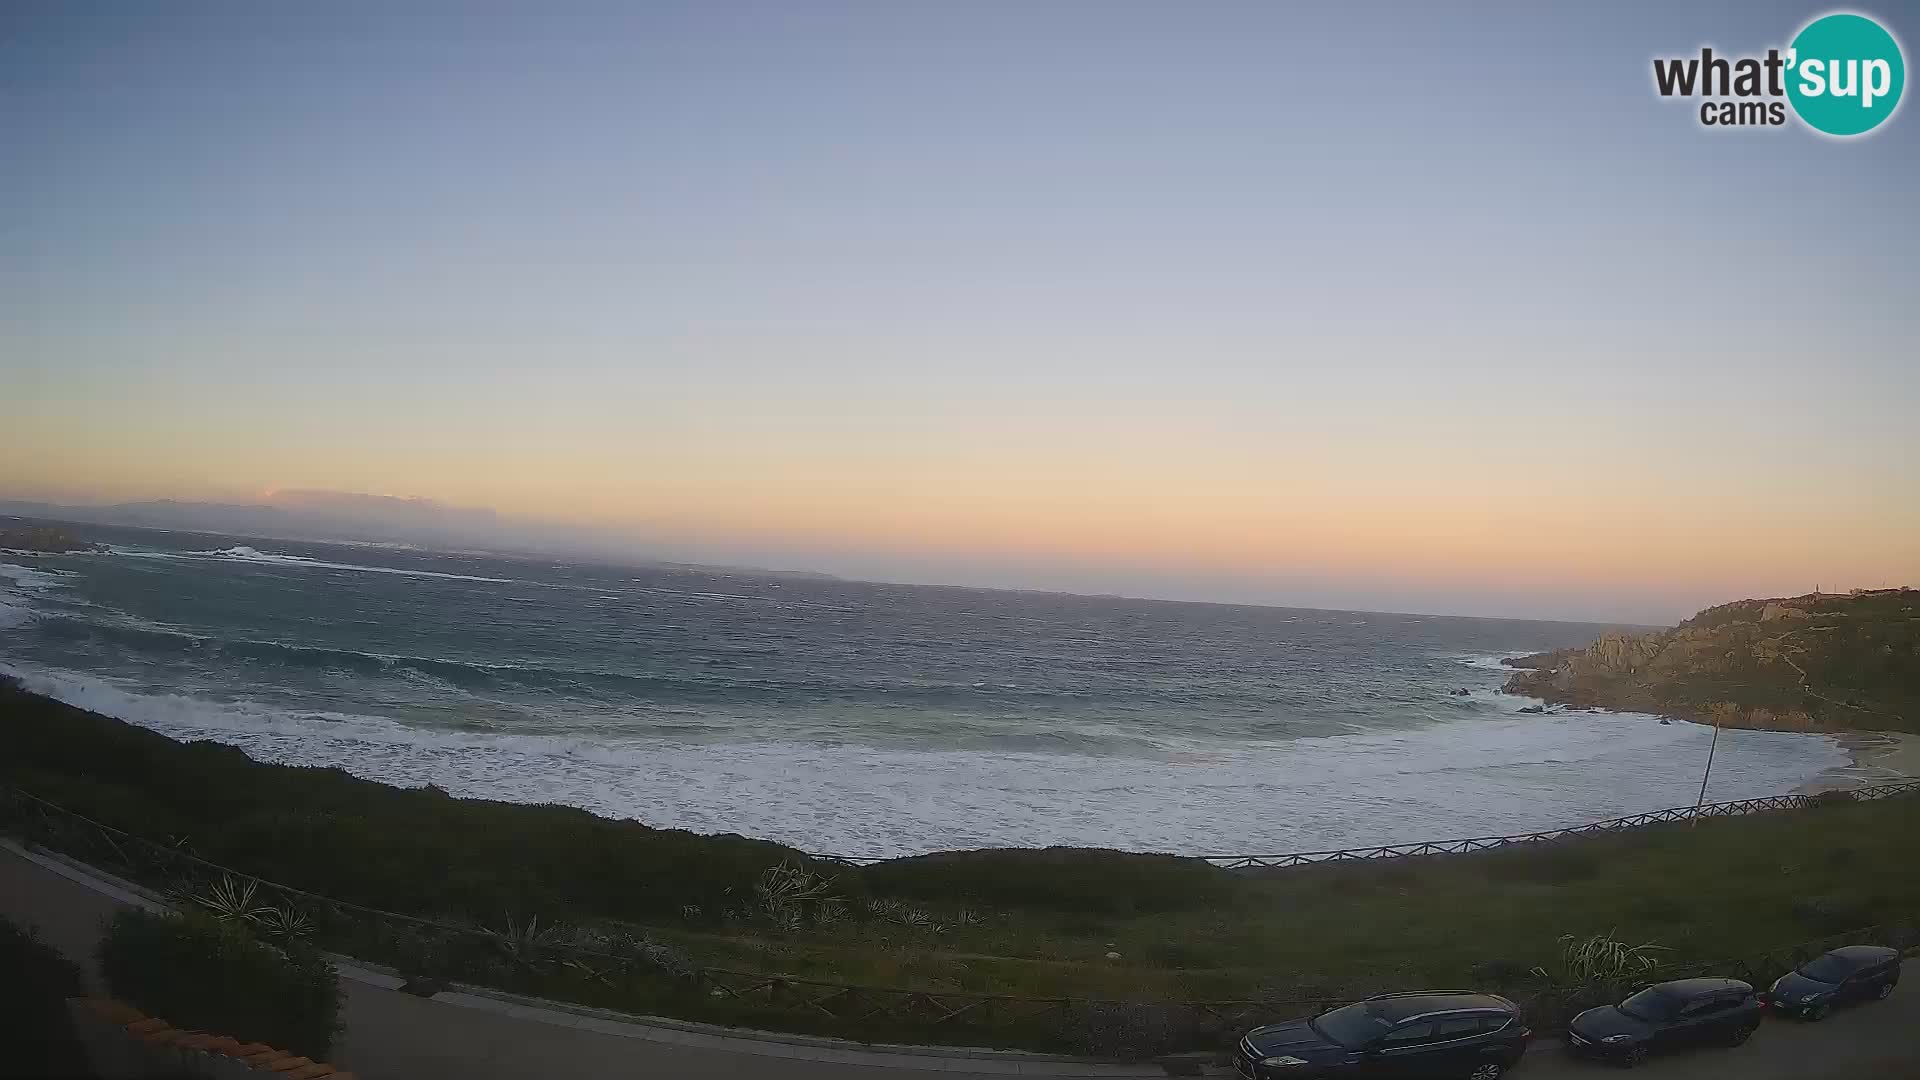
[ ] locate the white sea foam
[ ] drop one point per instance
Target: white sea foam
(1484, 776)
(14, 615)
(18, 584)
(242, 553)
(26, 577)
(1491, 663)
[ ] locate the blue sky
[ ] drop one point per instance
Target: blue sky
(1388, 305)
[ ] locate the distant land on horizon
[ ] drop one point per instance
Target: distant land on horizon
(384, 521)
(380, 520)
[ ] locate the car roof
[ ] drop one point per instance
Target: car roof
(1859, 955)
(1398, 1007)
(1692, 988)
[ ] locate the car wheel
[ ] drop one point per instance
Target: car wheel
(1885, 991)
(1634, 1058)
(1488, 1070)
(1741, 1034)
(1816, 1013)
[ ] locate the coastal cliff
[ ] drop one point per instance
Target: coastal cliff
(1819, 662)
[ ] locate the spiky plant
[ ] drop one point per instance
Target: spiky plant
(230, 900)
(283, 924)
(528, 943)
(787, 896)
(1599, 960)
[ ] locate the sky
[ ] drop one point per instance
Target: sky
(1417, 307)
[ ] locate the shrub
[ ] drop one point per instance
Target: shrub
(1060, 878)
(788, 897)
(34, 1025)
(1832, 914)
(203, 974)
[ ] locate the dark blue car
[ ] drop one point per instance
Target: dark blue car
(1451, 1034)
(1667, 1016)
(1852, 973)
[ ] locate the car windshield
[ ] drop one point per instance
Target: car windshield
(1352, 1026)
(1650, 1004)
(1827, 969)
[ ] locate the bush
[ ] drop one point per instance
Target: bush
(34, 1025)
(206, 975)
(1059, 878)
(1832, 914)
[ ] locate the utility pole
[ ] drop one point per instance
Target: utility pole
(1711, 747)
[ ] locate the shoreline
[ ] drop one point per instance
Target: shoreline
(1875, 757)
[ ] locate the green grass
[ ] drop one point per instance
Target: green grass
(1034, 923)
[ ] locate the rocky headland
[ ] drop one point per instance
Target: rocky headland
(1820, 662)
(44, 539)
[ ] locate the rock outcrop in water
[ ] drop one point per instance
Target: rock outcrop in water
(1804, 663)
(44, 538)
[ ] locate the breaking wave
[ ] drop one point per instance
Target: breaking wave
(242, 553)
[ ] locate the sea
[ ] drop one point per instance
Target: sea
(849, 717)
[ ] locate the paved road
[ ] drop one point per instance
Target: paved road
(394, 1036)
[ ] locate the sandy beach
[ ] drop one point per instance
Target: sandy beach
(1879, 757)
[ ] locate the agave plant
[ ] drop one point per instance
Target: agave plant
(787, 895)
(283, 924)
(230, 900)
(905, 915)
(528, 943)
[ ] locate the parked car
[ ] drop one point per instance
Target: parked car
(1851, 973)
(1685, 1012)
(1456, 1034)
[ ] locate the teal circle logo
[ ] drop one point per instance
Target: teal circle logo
(1845, 74)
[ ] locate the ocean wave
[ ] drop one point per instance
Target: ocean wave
(1492, 663)
(14, 616)
(27, 577)
(244, 554)
(187, 716)
(1446, 780)
(599, 683)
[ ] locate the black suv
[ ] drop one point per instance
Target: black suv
(1852, 973)
(1685, 1012)
(1456, 1034)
